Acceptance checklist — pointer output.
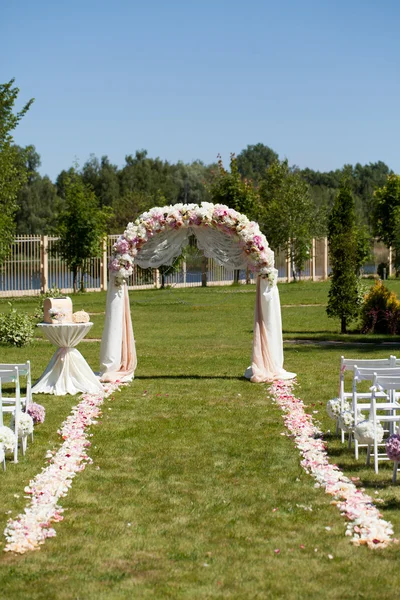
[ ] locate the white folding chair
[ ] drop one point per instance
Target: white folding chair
(348, 364)
(12, 376)
(391, 385)
(24, 370)
(387, 402)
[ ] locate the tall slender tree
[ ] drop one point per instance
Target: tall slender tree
(12, 169)
(343, 252)
(288, 215)
(81, 227)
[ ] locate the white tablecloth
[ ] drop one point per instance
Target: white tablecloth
(67, 372)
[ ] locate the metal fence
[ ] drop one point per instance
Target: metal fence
(34, 267)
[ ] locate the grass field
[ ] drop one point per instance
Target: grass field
(193, 487)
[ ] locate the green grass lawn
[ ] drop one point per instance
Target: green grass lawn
(193, 486)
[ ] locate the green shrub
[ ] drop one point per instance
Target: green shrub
(380, 312)
(16, 329)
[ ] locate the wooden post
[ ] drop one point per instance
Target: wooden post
(313, 260)
(44, 263)
(184, 272)
(288, 273)
(103, 265)
(325, 260)
(204, 265)
(156, 276)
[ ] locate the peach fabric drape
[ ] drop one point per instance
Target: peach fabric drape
(267, 360)
(118, 352)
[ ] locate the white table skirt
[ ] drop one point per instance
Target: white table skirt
(67, 372)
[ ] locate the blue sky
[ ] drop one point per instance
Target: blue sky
(317, 81)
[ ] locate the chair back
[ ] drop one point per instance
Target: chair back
(367, 374)
(386, 382)
(349, 364)
(23, 368)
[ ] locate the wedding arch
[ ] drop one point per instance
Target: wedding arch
(156, 238)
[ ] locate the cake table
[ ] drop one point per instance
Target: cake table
(67, 372)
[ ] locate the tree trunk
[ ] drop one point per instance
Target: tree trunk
(236, 274)
(74, 278)
(344, 325)
(82, 286)
(162, 280)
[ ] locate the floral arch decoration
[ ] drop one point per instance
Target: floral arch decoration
(251, 246)
(156, 238)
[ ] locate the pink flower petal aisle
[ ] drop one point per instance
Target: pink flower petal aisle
(31, 528)
(365, 524)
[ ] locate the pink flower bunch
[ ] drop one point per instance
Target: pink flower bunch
(37, 412)
(365, 524)
(393, 447)
(121, 246)
(30, 529)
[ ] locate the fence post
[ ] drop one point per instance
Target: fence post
(103, 265)
(156, 276)
(390, 262)
(288, 261)
(325, 260)
(44, 263)
(204, 265)
(313, 260)
(184, 273)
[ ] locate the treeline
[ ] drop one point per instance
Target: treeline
(143, 182)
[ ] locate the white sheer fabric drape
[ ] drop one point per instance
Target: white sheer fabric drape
(162, 249)
(267, 360)
(224, 249)
(117, 351)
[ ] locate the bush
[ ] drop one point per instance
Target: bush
(380, 312)
(16, 329)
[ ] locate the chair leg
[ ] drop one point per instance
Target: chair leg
(376, 456)
(16, 452)
(356, 449)
(368, 456)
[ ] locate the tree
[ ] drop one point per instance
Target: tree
(228, 187)
(37, 200)
(193, 181)
(288, 217)
(342, 239)
(386, 213)
(81, 227)
(254, 160)
(12, 171)
(103, 177)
